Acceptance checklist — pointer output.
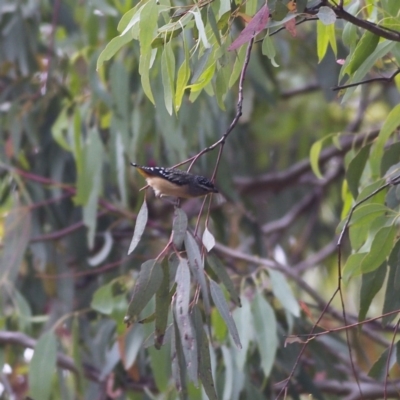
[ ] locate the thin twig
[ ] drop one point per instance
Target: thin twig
(387, 79)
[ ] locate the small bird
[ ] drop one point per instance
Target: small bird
(175, 182)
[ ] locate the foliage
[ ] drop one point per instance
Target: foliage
(292, 107)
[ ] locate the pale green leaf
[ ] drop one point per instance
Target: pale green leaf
(391, 123)
(146, 285)
(265, 331)
(103, 300)
(222, 306)
(283, 292)
(179, 227)
(141, 221)
(181, 310)
(42, 367)
(197, 267)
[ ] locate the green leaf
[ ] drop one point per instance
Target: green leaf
(147, 26)
(208, 240)
(144, 70)
(168, 76)
(197, 268)
(112, 47)
(43, 366)
(160, 361)
(356, 168)
(178, 362)
(103, 300)
(245, 325)
(381, 247)
(392, 298)
(283, 292)
(200, 27)
(23, 310)
(363, 50)
(205, 370)
(237, 67)
(391, 123)
(381, 367)
(353, 266)
(146, 285)
(325, 36)
(266, 331)
(162, 306)
(183, 321)
(182, 79)
(382, 49)
(216, 265)
(268, 49)
(179, 227)
(314, 155)
(370, 285)
(141, 221)
(133, 343)
(222, 306)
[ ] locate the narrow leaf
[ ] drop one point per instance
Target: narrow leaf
(222, 306)
(162, 306)
(141, 221)
(364, 48)
(370, 285)
(205, 370)
(146, 285)
(43, 366)
(266, 331)
(283, 292)
(197, 268)
(179, 226)
(183, 321)
(216, 265)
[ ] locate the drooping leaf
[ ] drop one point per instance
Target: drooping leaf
(381, 247)
(178, 361)
(141, 221)
(256, 25)
(205, 370)
(168, 76)
(162, 306)
(179, 227)
(391, 123)
(245, 324)
(266, 331)
(370, 285)
(43, 366)
(392, 300)
(356, 168)
(146, 285)
(197, 267)
(364, 48)
(283, 292)
(187, 337)
(133, 343)
(216, 265)
(103, 299)
(222, 306)
(381, 366)
(353, 266)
